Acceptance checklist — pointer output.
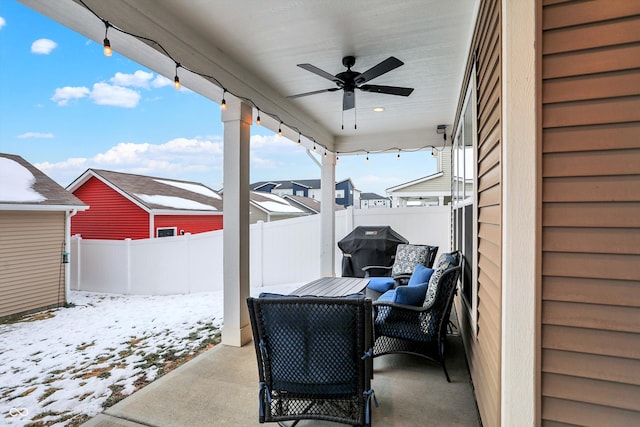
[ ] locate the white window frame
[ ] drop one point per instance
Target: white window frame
(175, 231)
(460, 200)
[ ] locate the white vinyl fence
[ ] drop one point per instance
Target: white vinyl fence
(281, 252)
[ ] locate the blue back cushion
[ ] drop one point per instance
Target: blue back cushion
(421, 274)
(411, 295)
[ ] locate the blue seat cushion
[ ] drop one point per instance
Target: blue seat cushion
(420, 275)
(388, 296)
(381, 284)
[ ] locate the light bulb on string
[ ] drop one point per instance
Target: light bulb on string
(223, 104)
(314, 147)
(398, 154)
(325, 153)
(337, 156)
(258, 118)
(367, 159)
(106, 43)
(280, 129)
(176, 79)
(299, 142)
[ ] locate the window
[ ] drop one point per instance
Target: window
(166, 232)
(339, 194)
(464, 189)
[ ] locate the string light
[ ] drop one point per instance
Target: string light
(106, 44)
(176, 79)
(108, 52)
(337, 157)
(280, 129)
(325, 153)
(398, 154)
(223, 104)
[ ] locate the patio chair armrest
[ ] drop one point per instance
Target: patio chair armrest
(413, 308)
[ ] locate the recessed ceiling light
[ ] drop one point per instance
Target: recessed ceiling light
(378, 109)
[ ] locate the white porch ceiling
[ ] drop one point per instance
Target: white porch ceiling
(252, 48)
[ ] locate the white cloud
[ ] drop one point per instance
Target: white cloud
(270, 141)
(117, 96)
(138, 79)
(2, 22)
(43, 46)
(161, 81)
(180, 158)
(63, 95)
(27, 135)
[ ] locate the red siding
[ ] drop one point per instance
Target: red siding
(189, 223)
(110, 216)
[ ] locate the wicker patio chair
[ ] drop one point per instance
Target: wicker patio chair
(419, 330)
(314, 358)
(383, 278)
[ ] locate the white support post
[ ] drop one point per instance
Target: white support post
(237, 120)
(327, 215)
(519, 376)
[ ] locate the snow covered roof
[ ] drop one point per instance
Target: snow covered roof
(273, 204)
(157, 194)
(25, 187)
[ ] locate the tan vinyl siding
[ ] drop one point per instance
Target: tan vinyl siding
(590, 171)
(31, 272)
(484, 348)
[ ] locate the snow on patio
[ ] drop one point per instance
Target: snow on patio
(63, 366)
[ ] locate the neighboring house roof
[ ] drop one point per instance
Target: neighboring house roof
(274, 205)
(309, 204)
(415, 181)
(372, 196)
(25, 187)
(157, 195)
(288, 184)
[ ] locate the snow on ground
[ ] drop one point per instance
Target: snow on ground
(61, 367)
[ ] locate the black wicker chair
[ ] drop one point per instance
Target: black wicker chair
(407, 257)
(314, 358)
(417, 330)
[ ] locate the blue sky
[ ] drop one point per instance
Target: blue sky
(65, 107)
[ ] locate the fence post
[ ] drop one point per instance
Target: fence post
(259, 260)
(188, 239)
(128, 263)
(76, 258)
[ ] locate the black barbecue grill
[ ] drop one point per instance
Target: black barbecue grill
(368, 245)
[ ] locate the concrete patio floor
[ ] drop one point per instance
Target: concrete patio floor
(220, 388)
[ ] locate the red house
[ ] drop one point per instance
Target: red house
(123, 205)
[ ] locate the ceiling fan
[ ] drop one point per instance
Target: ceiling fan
(350, 80)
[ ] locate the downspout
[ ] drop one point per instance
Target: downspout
(67, 248)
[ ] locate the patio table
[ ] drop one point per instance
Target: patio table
(333, 287)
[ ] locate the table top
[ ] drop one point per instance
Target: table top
(333, 287)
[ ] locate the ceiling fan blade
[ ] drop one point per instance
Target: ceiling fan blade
(332, 89)
(348, 100)
(385, 66)
(319, 72)
(390, 90)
